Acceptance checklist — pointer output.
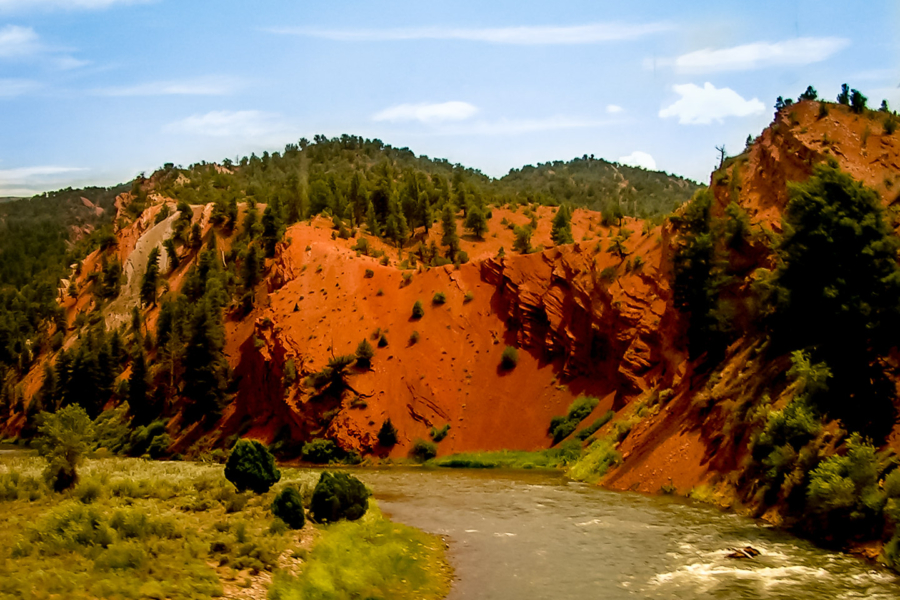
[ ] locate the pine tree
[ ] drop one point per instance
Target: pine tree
(272, 230)
(522, 243)
(561, 232)
(449, 238)
(204, 364)
(196, 237)
(171, 254)
(151, 278)
(251, 268)
(371, 219)
(138, 389)
(476, 222)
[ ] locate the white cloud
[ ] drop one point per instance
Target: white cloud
(201, 86)
(20, 5)
(639, 159)
(526, 35)
(10, 88)
(18, 41)
(613, 108)
(703, 105)
(758, 55)
(428, 113)
(225, 123)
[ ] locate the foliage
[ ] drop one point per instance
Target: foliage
(553, 458)
(522, 243)
(599, 458)
(364, 354)
(321, 451)
(338, 496)
(418, 311)
(439, 434)
(439, 298)
(563, 426)
(423, 450)
(595, 426)
(509, 359)
(387, 434)
(63, 439)
(370, 558)
(288, 506)
(251, 466)
(561, 230)
(838, 268)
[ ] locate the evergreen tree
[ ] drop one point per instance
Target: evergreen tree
(204, 364)
(371, 219)
(251, 268)
(138, 389)
(561, 232)
(171, 253)
(272, 230)
(476, 222)
(844, 96)
(151, 278)
(196, 237)
(522, 243)
(449, 238)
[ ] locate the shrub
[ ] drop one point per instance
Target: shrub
(387, 435)
(63, 438)
(364, 354)
(595, 426)
(423, 450)
(468, 297)
(510, 358)
(596, 462)
(562, 426)
(439, 298)
(338, 496)
(288, 506)
(321, 451)
(417, 311)
(413, 338)
(251, 467)
(438, 434)
(382, 341)
(369, 274)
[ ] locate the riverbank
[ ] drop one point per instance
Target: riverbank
(133, 528)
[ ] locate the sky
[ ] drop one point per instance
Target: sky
(94, 92)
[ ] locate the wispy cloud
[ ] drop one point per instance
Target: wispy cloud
(27, 181)
(703, 105)
(22, 5)
(225, 123)
(18, 41)
(201, 86)
(613, 109)
(428, 113)
(592, 33)
(759, 55)
(639, 159)
(10, 88)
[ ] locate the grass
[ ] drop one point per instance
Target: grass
(369, 558)
(134, 528)
(562, 426)
(555, 458)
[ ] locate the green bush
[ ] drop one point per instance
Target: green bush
(468, 297)
(321, 451)
(595, 426)
(439, 298)
(510, 358)
(417, 311)
(364, 354)
(423, 450)
(438, 434)
(414, 338)
(387, 435)
(562, 426)
(288, 506)
(251, 467)
(338, 496)
(63, 438)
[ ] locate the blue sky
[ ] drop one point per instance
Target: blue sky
(96, 91)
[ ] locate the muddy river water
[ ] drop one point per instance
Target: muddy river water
(536, 536)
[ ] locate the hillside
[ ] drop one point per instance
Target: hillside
(305, 299)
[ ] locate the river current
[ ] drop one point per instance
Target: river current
(537, 536)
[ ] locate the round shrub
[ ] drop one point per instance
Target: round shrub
(288, 506)
(321, 451)
(510, 358)
(338, 496)
(423, 450)
(439, 298)
(387, 435)
(417, 311)
(251, 467)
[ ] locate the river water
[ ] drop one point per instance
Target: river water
(536, 536)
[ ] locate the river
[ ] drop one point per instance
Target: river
(537, 536)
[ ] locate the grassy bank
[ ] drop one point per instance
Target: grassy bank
(133, 528)
(554, 458)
